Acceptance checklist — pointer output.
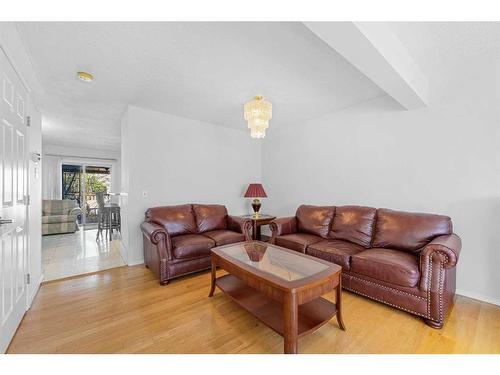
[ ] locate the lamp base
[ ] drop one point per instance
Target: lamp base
(256, 207)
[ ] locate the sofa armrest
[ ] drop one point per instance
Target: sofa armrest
(442, 252)
(159, 237)
(154, 232)
(75, 211)
(240, 225)
(281, 226)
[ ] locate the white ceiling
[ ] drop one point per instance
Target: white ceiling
(443, 50)
(203, 71)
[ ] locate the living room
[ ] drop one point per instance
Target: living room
(272, 187)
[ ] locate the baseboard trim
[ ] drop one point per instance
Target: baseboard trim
(31, 298)
(136, 262)
(479, 297)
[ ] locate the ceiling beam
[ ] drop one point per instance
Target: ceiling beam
(374, 50)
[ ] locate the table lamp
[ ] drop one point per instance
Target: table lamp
(255, 191)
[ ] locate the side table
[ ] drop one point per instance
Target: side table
(257, 222)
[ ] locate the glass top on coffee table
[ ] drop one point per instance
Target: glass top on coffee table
(285, 264)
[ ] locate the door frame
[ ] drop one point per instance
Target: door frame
(27, 266)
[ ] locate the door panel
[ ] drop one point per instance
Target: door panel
(8, 180)
(7, 276)
(21, 243)
(20, 170)
(8, 91)
(13, 191)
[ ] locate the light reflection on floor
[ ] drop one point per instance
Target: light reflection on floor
(65, 255)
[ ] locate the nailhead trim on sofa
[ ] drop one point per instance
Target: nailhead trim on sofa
(440, 286)
(388, 303)
(429, 282)
(388, 288)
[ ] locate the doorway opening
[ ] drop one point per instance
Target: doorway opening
(82, 183)
(70, 245)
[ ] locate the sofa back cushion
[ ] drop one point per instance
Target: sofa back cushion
(354, 224)
(58, 206)
(210, 217)
(314, 219)
(176, 220)
(408, 231)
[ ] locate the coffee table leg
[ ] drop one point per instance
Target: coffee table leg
(212, 278)
(291, 323)
(338, 303)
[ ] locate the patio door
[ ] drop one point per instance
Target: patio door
(81, 182)
(13, 201)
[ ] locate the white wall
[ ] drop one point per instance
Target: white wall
(126, 148)
(441, 159)
(178, 160)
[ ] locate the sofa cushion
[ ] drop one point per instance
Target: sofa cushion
(50, 219)
(224, 237)
(58, 206)
(176, 220)
(389, 265)
(210, 217)
(354, 224)
(297, 241)
(314, 219)
(408, 231)
(335, 251)
(191, 246)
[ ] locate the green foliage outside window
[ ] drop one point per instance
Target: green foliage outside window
(96, 182)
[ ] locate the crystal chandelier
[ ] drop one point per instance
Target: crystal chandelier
(258, 112)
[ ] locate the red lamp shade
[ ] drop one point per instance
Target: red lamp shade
(255, 191)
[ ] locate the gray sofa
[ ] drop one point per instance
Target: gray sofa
(59, 216)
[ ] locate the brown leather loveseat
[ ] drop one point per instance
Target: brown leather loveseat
(405, 260)
(178, 239)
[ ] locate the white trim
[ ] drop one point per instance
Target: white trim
(27, 200)
(34, 292)
(84, 158)
(480, 297)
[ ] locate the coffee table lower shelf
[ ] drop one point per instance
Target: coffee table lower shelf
(311, 315)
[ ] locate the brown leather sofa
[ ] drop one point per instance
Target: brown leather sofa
(405, 260)
(178, 239)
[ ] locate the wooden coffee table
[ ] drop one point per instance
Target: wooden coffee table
(280, 287)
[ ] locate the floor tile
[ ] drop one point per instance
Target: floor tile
(65, 255)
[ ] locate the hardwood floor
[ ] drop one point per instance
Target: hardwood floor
(125, 310)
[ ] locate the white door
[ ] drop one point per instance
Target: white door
(13, 223)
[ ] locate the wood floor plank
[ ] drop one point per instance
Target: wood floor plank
(125, 310)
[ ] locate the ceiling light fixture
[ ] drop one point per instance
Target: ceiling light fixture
(258, 112)
(85, 77)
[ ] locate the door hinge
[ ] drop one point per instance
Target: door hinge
(28, 199)
(28, 278)
(28, 120)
